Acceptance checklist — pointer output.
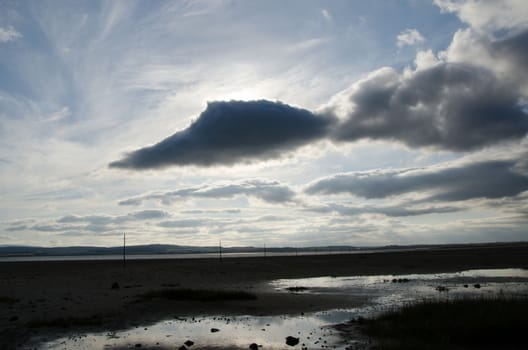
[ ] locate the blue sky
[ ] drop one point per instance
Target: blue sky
(263, 122)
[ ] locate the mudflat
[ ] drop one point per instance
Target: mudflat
(33, 294)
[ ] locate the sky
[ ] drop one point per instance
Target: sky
(277, 123)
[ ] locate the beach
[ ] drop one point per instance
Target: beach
(34, 293)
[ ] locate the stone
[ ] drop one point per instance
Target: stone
(292, 341)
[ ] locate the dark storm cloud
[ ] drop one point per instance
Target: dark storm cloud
(490, 179)
(393, 211)
(269, 191)
(448, 106)
(231, 132)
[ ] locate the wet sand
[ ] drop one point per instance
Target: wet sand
(44, 291)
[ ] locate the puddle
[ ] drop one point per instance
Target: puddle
(313, 330)
(388, 291)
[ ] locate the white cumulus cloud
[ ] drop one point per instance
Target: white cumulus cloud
(486, 16)
(9, 34)
(410, 37)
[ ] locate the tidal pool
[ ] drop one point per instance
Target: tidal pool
(314, 330)
(388, 291)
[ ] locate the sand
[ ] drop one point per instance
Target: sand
(33, 292)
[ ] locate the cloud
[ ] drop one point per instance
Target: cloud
(409, 37)
(326, 14)
(505, 57)
(231, 132)
(17, 228)
(107, 219)
(450, 106)
(183, 223)
(9, 34)
(268, 191)
(488, 15)
(148, 215)
(393, 211)
(471, 96)
(486, 179)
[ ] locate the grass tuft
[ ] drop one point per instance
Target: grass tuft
(198, 295)
(486, 323)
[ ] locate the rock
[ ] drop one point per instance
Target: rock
(182, 347)
(115, 285)
(442, 289)
(138, 345)
(253, 346)
(214, 330)
(477, 285)
(13, 319)
(292, 341)
(189, 343)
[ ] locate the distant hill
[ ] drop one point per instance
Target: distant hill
(150, 249)
(156, 249)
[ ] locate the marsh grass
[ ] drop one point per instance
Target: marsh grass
(198, 295)
(485, 323)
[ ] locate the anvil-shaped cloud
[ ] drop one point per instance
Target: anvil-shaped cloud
(231, 132)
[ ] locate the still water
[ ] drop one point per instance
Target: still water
(313, 330)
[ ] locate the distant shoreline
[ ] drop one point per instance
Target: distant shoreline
(159, 251)
(168, 256)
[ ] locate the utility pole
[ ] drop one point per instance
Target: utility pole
(124, 249)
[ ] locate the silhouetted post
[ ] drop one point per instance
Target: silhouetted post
(124, 249)
(220, 250)
(264, 249)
